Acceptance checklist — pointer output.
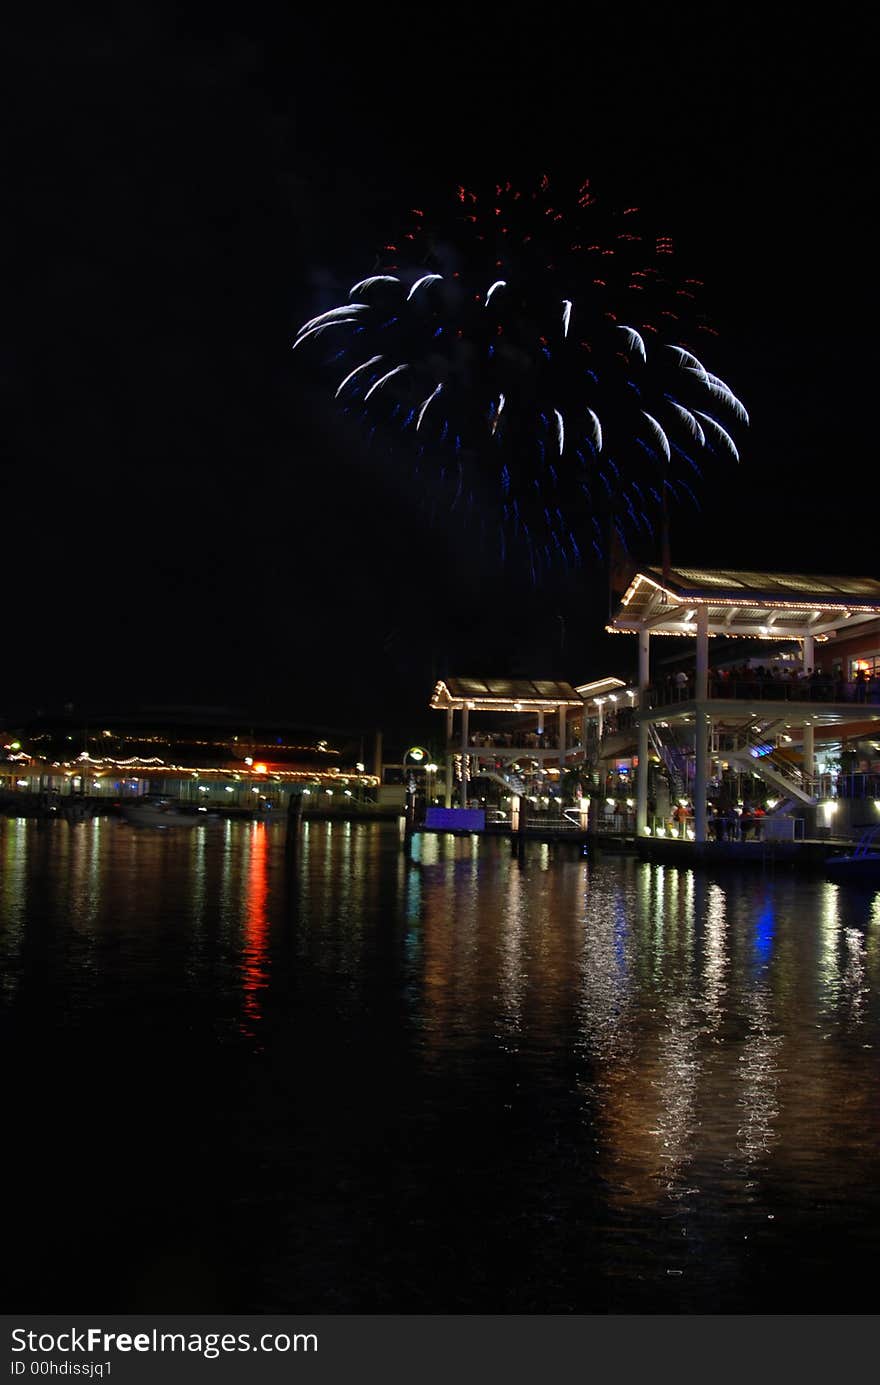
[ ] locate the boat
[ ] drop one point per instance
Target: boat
(161, 812)
(860, 865)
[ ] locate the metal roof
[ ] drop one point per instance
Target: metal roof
(505, 694)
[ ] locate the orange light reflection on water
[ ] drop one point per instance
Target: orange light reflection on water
(255, 953)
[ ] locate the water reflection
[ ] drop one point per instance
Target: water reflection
(455, 1067)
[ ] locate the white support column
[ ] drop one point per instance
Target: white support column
(562, 715)
(809, 751)
(644, 659)
(809, 652)
(701, 687)
(641, 782)
(600, 702)
(642, 777)
(465, 756)
(702, 735)
(450, 723)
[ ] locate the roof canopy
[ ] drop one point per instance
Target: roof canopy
(503, 694)
(599, 688)
(757, 605)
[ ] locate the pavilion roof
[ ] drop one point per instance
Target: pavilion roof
(503, 694)
(758, 605)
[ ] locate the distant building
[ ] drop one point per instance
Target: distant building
(206, 755)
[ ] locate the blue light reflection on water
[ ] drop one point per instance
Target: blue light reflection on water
(460, 1082)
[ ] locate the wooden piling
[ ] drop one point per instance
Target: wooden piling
(294, 821)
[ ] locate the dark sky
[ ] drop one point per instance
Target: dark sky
(184, 518)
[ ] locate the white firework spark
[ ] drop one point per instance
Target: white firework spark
(322, 327)
(713, 423)
(635, 340)
(560, 430)
(357, 370)
(597, 430)
(722, 391)
(661, 436)
(566, 315)
(382, 379)
(694, 427)
(425, 279)
(373, 279)
(499, 284)
(690, 362)
(343, 311)
(424, 406)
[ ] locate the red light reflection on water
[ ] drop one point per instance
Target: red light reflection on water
(255, 953)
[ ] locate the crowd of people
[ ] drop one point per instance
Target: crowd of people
(796, 684)
(726, 823)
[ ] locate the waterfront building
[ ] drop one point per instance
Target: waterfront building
(214, 757)
(763, 722)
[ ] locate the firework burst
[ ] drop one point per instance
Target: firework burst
(542, 361)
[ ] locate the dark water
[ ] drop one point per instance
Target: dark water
(460, 1084)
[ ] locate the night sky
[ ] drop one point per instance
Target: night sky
(185, 518)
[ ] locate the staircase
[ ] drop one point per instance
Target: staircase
(673, 757)
(759, 756)
(511, 782)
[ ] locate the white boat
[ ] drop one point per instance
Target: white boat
(161, 812)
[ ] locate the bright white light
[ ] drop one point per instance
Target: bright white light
(229, 790)
(560, 430)
(382, 379)
(566, 315)
(357, 370)
(499, 284)
(425, 279)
